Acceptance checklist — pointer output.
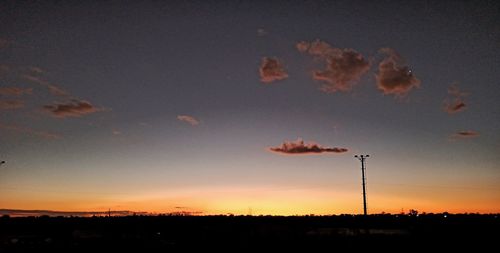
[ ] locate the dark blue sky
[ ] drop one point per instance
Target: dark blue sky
(127, 101)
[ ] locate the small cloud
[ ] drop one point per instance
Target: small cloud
(317, 48)
(4, 43)
(116, 131)
(53, 89)
(343, 67)
(393, 77)
(455, 103)
(261, 32)
(271, 69)
(465, 134)
(188, 119)
(299, 147)
(29, 131)
(11, 104)
(75, 108)
(15, 91)
(36, 70)
(4, 69)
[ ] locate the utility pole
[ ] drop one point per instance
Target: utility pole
(362, 158)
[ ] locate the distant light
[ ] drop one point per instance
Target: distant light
(445, 215)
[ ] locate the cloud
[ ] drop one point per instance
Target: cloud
(261, 32)
(11, 104)
(4, 43)
(15, 91)
(75, 108)
(455, 102)
(24, 213)
(29, 131)
(317, 48)
(4, 69)
(343, 67)
(465, 134)
(299, 147)
(53, 89)
(271, 69)
(188, 119)
(393, 77)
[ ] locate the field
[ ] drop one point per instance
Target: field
(249, 233)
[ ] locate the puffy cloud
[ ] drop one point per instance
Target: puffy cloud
(271, 69)
(393, 77)
(75, 108)
(188, 119)
(299, 147)
(317, 48)
(455, 102)
(11, 104)
(342, 71)
(465, 134)
(15, 91)
(343, 67)
(29, 131)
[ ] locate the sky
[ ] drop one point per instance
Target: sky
(250, 107)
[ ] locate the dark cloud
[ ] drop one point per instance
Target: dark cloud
(15, 91)
(465, 134)
(271, 69)
(343, 67)
(299, 147)
(11, 104)
(394, 78)
(4, 43)
(4, 69)
(455, 102)
(75, 108)
(188, 119)
(29, 131)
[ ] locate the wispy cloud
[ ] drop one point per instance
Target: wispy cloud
(29, 131)
(53, 89)
(272, 69)
(299, 147)
(343, 67)
(75, 108)
(455, 102)
(393, 77)
(464, 134)
(11, 104)
(261, 32)
(15, 91)
(188, 119)
(23, 213)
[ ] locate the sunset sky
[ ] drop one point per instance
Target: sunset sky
(250, 107)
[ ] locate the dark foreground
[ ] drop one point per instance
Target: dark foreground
(249, 233)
